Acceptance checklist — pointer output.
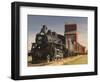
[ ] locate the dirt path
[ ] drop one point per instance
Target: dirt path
(80, 59)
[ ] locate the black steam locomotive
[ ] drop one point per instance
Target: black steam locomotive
(49, 46)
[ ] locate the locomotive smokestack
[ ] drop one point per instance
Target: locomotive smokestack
(44, 29)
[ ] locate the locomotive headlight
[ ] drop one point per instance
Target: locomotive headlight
(42, 33)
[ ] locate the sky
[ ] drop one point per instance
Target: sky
(56, 23)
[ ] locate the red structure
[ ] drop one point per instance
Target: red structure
(71, 39)
(71, 36)
(80, 48)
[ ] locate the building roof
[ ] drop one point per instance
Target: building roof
(70, 27)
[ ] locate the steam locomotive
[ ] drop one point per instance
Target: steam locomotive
(49, 46)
